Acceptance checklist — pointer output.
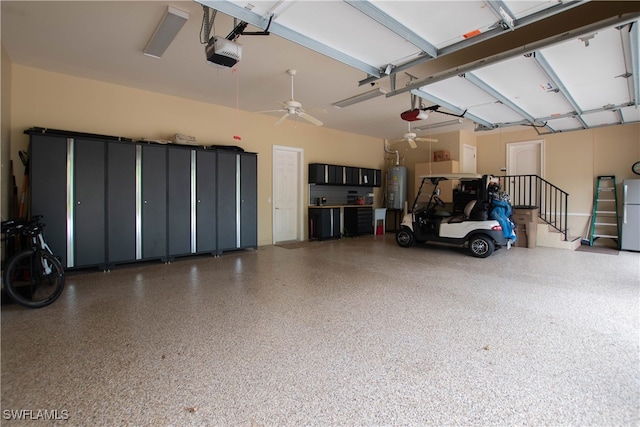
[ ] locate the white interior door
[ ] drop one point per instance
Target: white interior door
(468, 158)
(287, 187)
(525, 158)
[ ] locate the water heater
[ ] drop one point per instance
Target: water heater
(396, 187)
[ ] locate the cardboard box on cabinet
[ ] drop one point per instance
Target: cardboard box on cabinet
(441, 155)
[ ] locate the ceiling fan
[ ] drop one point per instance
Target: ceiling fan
(412, 138)
(293, 107)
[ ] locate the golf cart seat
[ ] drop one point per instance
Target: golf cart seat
(466, 213)
(442, 214)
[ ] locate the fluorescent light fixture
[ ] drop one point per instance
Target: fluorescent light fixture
(359, 98)
(167, 30)
(439, 124)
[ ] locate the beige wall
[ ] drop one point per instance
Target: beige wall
(572, 162)
(40, 98)
(58, 101)
(5, 141)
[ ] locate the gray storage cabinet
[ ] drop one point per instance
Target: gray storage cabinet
(237, 222)
(154, 202)
(206, 220)
(181, 201)
(68, 189)
(106, 202)
(48, 176)
(89, 202)
(121, 202)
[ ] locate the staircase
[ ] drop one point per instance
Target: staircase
(532, 190)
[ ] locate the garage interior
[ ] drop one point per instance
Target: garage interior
(352, 331)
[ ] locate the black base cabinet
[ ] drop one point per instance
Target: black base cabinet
(358, 221)
(324, 223)
(105, 201)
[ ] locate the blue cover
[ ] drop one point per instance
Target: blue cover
(501, 211)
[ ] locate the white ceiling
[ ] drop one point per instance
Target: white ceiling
(564, 84)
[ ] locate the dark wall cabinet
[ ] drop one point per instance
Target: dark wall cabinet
(320, 173)
(106, 202)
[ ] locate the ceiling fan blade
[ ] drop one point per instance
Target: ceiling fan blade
(282, 119)
(412, 143)
(272, 111)
(310, 118)
(419, 139)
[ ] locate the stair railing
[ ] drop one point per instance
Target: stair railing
(533, 191)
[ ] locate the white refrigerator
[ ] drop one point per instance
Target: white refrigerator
(631, 215)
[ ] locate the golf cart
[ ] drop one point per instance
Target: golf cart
(474, 228)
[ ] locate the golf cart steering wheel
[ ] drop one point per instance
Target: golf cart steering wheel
(438, 201)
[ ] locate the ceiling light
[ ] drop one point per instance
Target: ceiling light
(439, 124)
(167, 30)
(359, 98)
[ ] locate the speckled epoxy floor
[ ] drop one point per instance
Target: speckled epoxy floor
(351, 332)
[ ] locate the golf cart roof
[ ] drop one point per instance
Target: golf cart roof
(447, 176)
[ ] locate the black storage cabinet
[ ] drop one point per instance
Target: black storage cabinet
(358, 220)
(237, 223)
(206, 179)
(324, 223)
(121, 202)
(68, 188)
(154, 202)
(107, 200)
(320, 173)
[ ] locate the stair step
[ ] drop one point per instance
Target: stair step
(606, 235)
(610, 224)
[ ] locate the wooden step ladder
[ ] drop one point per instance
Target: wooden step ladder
(604, 218)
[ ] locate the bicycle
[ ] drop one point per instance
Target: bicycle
(33, 277)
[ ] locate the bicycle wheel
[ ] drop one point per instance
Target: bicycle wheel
(34, 281)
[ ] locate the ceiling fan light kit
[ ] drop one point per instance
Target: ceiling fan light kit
(293, 107)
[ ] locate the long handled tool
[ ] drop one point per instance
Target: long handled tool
(24, 157)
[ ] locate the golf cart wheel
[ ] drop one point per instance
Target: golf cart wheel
(404, 237)
(481, 246)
